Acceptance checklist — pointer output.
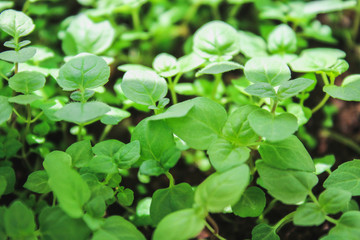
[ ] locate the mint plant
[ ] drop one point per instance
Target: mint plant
(179, 143)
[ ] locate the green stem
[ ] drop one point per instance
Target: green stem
(18, 114)
(37, 117)
(268, 209)
(218, 79)
(326, 97)
(191, 12)
(234, 10)
(172, 90)
(3, 76)
(136, 19)
(274, 106)
(342, 139)
(356, 23)
(213, 227)
(28, 120)
(332, 220)
(283, 221)
(79, 134)
(313, 198)
(215, 11)
(171, 179)
(105, 132)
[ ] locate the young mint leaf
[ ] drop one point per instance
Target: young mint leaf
(144, 87)
(108, 148)
(19, 221)
(6, 109)
(190, 62)
(170, 157)
(348, 91)
(251, 203)
(334, 200)
(293, 87)
(12, 44)
(16, 23)
(151, 168)
(20, 56)
(57, 225)
(182, 224)
(219, 67)
(168, 200)
(133, 67)
(128, 154)
(348, 227)
(9, 174)
(216, 40)
(262, 90)
(165, 65)
(220, 190)
(224, 155)
(314, 62)
(83, 35)
(323, 164)
(273, 127)
(309, 214)
(38, 182)
(270, 70)
(288, 186)
(83, 72)
(282, 40)
(24, 99)
(82, 112)
(26, 82)
(78, 96)
(114, 116)
(125, 197)
(264, 232)
(303, 114)
(346, 177)
(287, 154)
(96, 207)
(80, 153)
(252, 45)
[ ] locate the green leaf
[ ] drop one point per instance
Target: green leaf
(263, 90)
(133, 67)
(19, 221)
(168, 200)
(314, 61)
(151, 168)
(252, 45)
(348, 226)
(309, 214)
(57, 225)
(264, 232)
(288, 186)
(26, 82)
(128, 154)
(270, 70)
(144, 87)
(9, 174)
(323, 164)
(237, 127)
(5, 68)
(190, 62)
(117, 228)
(80, 152)
(3, 185)
(108, 148)
(24, 99)
(20, 56)
(216, 40)
(287, 154)
(125, 197)
(70, 189)
(346, 177)
(165, 65)
(78, 96)
(96, 207)
(273, 127)
(224, 155)
(82, 112)
(293, 87)
(170, 157)
(251, 204)
(348, 91)
(6, 109)
(114, 116)
(219, 67)
(334, 200)
(16, 23)
(316, 7)
(83, 72)
(282, 40)
(220, 190)
(102, 164)
(38, 182)
(303, 114)
(180, 225)
(83, 35)
(197, 121)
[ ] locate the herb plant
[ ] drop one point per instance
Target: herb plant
(96, 124)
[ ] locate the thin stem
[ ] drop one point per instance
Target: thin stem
(283, 221)
(3, 76)
(215, 11)
(37, 117)
(313, 198)
(105, 132)
(342, 139)
(172, 90)
(213, 227)
(269, 207)
(136, 19)
(234, 10)
(18, 114)
(332, 220)
(218, 79)
(79, 134)
(28, 120)
(171, 179)
(326, 97)
(356, 25)
(274, 106)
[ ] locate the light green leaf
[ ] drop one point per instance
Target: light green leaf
(20, 56)
(273, 127)
(293, 87)
(252, 45)
(219, 67)
(133, 67)
(323, 164)
(288, 186)
(128, 154)
(224, 155)
(289, 153)
(262, 90)
(24, 99)
(264, 232)
(168, 200)
(317, 61)
(6, 109)
(220, 190)
(38, 182)
(346, 177)
(309, 214)
(151, 168)
(282, 40)
(83, 72)
(108, 148)
(165, 65)
(251, 204)
(316, 7)
(180, 225)
(144, 87)
(348, 227)
(170, 157)
(216, 40)
(334, 200)
(189, 62)
(15, 23)
(270, 70)
(114, 116)
(83, 35)
(82, 112)
(80, 153)
(348, 91)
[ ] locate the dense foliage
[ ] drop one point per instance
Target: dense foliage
(104, 101)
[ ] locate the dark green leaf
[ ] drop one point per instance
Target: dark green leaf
(151, 168)
(6, 109)
(264, 232)
(19, 221)
(38, 182)
(128, 154)
(251, 204)
(9, 174)
(334, 200)
(125, 197)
